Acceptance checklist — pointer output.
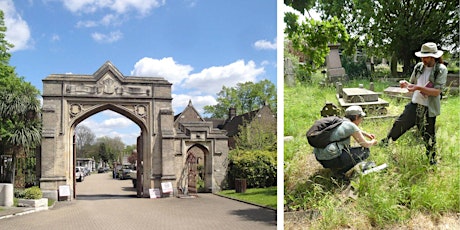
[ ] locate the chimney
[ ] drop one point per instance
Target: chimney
(231, 113)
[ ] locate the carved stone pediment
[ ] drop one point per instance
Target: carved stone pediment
(108, 83)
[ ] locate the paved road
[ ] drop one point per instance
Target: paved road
(104, 203)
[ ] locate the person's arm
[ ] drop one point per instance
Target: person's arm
(424, 90)
(359, 137)
(368, 135)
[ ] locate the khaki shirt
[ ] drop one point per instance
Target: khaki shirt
(439, 81)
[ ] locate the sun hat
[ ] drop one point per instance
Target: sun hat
(355, 110)
(429, 49)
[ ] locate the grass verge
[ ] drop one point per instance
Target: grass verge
(261, 196)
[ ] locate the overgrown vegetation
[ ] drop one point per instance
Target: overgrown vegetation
(407, 188)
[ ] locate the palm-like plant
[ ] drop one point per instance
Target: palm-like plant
(20, 126)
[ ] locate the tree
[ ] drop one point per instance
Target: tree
(84, 138)
(245, 97)
(256, 135)
(20, 126)
(109, 149)
(311, 37)
(398, 28)
(131, 150)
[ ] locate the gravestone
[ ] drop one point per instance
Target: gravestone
(289, 77)
(369, 100)
(335, 71)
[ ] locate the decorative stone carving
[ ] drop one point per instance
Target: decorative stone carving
(107, 86)
(75, 109)
(141, 110)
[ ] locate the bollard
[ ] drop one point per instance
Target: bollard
(6, 194)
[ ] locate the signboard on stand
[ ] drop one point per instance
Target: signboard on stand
(64, 192)
(166, 187)
(154, 193)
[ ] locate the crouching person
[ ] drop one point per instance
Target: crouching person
(339, 156)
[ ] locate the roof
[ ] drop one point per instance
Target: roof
(233, 123)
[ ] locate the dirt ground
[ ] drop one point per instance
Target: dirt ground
(451, 221)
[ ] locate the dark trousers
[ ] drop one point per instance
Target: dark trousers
(416, 115)
(347, 160)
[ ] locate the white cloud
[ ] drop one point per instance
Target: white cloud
(212, 79)
(166, 68)
(119, 122)
(107, 38)
(201, 87)
(18, 32)
(113, 125)
(265, 45)
(142, 7)
(180, 101)
(191, 3)
(55, 37)
(107, 20)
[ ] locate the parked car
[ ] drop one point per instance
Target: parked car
(86, 171)
(101, 170)
(124, 172)
(79, 173)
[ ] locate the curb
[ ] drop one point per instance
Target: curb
(242, 201)
(27, 211)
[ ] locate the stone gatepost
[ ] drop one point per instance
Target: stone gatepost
(167, 149)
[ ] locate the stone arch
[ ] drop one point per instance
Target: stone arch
(69, 99)
(108, 106)
(100, 108)
(204, 164)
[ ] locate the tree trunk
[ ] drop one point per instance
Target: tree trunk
(394, 65)
(407, 67)
(13, 166)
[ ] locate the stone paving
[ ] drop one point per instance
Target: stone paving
(105, 203)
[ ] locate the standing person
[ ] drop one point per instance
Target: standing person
(339, 156)
(427, 82)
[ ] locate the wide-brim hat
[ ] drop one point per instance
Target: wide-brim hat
(355, 110)
(429, 49)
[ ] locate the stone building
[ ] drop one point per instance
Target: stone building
(262, 118)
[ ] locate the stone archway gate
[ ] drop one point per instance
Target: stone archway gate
(69, 99)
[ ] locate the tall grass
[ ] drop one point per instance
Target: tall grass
(408, 186)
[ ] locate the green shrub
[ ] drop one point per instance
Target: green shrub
(200, 184)
(382, 70)
(257, 167)
(355, 70)
(19, 193)
(33, 193)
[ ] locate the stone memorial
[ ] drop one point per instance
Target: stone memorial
(335, 71)
(369, 100)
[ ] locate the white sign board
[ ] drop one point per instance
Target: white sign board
(166, 187)
(64, 190)
(154, 193)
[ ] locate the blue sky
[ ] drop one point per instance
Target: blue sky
(197, 45)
